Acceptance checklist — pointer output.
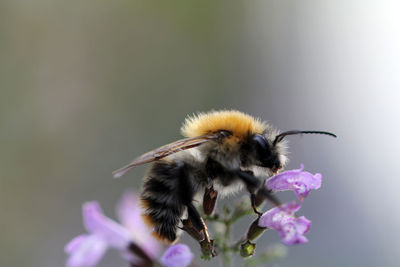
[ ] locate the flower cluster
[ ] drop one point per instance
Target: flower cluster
(282, 219)
(132, 238)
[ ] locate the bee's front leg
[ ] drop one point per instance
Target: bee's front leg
(254, 204)
(256, 189)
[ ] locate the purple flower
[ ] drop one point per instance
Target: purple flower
(178, 255)
(129, 214)
(282, 219)
(297, 180)
(88, 249)
(85, 250)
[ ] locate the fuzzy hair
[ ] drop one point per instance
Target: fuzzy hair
(281, 147)
(239, 123)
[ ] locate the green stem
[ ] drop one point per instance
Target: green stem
(223, 239)
(213, 218)
(227, 253)
(237, 215)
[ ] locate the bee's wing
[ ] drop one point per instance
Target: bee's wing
(166, 150)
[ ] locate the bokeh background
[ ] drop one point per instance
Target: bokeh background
(88, 85)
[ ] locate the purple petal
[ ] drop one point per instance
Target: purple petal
(290, 235)
(299, 181)
(85, 251)
(274, 217)
(282, 219)
(74, 244)
(290, 207)
(128, 211)
(303, 224)
(178, 255)
(98, 224)
(129, 214)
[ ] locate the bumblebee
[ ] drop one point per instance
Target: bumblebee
(223, 152)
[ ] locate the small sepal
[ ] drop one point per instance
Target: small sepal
(255, 230)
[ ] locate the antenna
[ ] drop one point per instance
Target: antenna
(280, 137)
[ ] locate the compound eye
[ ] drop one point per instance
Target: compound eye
(260, 141)
(261, 146)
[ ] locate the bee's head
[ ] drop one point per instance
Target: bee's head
(269, 154)
(265, 153)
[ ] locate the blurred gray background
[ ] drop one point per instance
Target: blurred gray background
(88, 85)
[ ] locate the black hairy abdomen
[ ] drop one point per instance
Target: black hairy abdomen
(166, 193)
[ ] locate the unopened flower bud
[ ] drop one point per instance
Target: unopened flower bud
(247, 249)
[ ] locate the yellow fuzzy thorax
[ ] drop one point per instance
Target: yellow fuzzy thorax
(239, 123)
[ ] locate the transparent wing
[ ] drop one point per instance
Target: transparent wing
(167, 150)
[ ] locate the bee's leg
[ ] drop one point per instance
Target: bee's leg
(195, 226)
(254, 186)
(197, 221)
(251, 185)
(256, 190)
(213, 170)
(209, 200)
(253, 204)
